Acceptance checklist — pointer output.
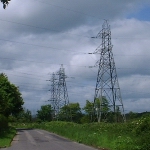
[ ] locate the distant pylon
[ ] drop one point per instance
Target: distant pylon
(62, 94)
(107, 86)
(53, 90)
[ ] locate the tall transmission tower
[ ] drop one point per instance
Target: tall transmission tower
(59, 94)
(53, 90)
(62, 94)
(107, 86)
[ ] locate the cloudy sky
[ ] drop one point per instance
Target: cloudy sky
(37, 36)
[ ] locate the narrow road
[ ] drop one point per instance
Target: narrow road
(36, 139)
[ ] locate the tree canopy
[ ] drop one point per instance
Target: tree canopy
(45, 113)
(5, 2)
(98, 110)
(11, 100)
(71, 112)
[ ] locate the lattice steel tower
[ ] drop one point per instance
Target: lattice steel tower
(54, 100)
(107, 86)
(62, 94)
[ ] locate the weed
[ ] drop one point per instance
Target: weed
(6, 136)
(113, 136)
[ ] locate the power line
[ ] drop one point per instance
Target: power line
(68, 9)
(26, 76)
(43, 28)
(31, 44)
(90, 67)
(28, 89)
(54, 30)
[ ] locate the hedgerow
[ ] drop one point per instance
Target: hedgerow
(3, 122)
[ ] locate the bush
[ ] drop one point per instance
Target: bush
(3, 122)
(12, 119)
(143, 132)
(85, 119)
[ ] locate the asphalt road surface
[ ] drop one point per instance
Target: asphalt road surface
(36, 139)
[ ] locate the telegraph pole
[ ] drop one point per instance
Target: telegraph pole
(107, 86)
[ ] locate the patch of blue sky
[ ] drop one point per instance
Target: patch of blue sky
(143, 14)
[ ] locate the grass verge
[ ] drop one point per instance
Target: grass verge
(100, 135)
(133, 135)
(6, 136)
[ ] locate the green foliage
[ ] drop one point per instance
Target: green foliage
(102, 102)
(143, 125)
(6, 136)
(142, 131)
(24, 116)
(12, 119)
(10, 98)
(70, 112)
(93, 110)
(45, 113)
(5, 2)
(3, 122)
(123, 143)
(64, 114)
(85, 119)
(134, 116)
(114, 136)
(88, 108)
(101, 135)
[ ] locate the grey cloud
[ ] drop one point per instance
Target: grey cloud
(28, 54)
(64, 15)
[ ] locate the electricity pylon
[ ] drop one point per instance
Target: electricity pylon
(62, 94)
(59, 94)
(53, 90)
(107, 91)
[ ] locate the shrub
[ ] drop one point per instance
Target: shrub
(12, 119)
(143, 132)
(3, 122)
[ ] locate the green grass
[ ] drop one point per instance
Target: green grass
(6, 136)
(112, 136)
(100, 135)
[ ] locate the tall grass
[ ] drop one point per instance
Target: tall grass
(6, 136)
(101, 135)
(113, 136)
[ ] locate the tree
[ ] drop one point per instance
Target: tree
(3, 122)
(3, 102)
(97, 110)
(64, 113)
(11, 100)
(25, 115)
(45, 113)
(5, 2)
(70, 112)
(89, 110)
(102, 108)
